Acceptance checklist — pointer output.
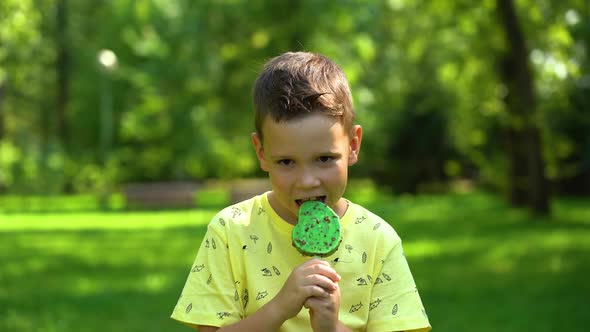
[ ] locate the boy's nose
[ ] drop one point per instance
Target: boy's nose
(308, 179)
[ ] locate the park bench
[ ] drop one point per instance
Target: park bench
(160, 195)
(170, 195)
(247, 188)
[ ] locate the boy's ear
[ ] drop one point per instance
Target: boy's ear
(355, 144)
(257, 142)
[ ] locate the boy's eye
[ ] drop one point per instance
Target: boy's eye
(325, 159)
(285, 162)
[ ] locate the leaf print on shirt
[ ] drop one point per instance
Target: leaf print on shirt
(199, 268)
(266, 272)
(394, 310)
(269, 248)
(261, 295)
(209, 279)
(189, 308)
(222, 222)
(236, 296)
(386, 276)
(376, 226)
(363, 282)
(378, 281)
(235, 211)
(374, 304)
(360, 219)
(245, 298)
(261, 210)
(277, 272)
(349, 248)
(355, 307)
(254, 238)
(223, 315)
(364, 257)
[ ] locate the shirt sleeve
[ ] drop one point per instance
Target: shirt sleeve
(210, 296)
(395, 303)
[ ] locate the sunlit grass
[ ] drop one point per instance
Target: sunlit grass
(479, 265)
(99, 220)
(95, 271)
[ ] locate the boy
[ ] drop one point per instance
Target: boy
(248, 277)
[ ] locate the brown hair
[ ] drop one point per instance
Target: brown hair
(294, 84)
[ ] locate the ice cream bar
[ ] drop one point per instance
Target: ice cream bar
(317, 232)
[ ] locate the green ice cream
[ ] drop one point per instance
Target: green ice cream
(317, 232)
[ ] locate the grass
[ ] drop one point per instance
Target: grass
(479, 265)
(95, 272)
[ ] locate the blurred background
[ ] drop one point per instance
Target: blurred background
(125, 125)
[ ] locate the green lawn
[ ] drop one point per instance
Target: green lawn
(479, 265)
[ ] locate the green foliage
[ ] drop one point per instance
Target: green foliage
(424, 76)
(476, 263)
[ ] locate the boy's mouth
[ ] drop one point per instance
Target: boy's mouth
(316, 198)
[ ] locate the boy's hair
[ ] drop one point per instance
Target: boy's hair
(294, 84)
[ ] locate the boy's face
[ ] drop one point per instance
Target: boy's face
(307, 158)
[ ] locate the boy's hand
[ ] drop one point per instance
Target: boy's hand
(312, 279)
(323, 311)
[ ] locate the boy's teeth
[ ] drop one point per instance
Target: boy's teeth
(318, 198)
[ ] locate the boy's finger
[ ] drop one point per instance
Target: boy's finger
(325, 270)
(314, 261)
(316, 291)
(322, 281)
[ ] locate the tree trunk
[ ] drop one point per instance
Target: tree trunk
(62, 70)
(2, 120)
(518, 176)
(2, 126)
(529, 186)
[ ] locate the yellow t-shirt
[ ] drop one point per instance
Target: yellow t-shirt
(247, 255)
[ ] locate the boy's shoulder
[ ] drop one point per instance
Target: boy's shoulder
(364, 220)
(240, 212)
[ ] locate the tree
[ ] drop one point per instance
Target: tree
(529, 185)
(425, 77)
(62, 67)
